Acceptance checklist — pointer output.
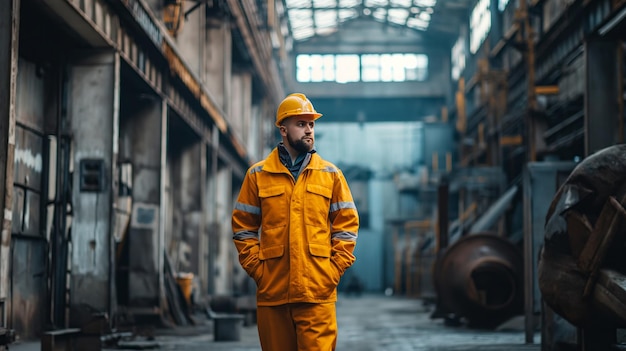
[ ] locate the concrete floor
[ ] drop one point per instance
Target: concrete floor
(367, 323)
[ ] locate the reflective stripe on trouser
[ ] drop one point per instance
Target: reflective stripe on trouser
(297, 326)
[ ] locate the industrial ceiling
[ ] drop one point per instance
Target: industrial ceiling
(311, 18)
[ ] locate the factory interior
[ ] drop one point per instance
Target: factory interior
(482, 141)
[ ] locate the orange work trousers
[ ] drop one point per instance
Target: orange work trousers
(297, 327)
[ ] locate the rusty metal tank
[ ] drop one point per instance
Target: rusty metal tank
(480, 279)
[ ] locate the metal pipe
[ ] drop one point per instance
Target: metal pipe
(495, 211)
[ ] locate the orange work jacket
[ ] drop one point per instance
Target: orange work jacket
(295, 238)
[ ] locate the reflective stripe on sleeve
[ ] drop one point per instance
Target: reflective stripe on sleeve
(256, 169)
(347, 236)
(341, 205)
(248, 208)
(246, 234)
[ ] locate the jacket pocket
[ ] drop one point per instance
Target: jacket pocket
(274, 208)
(324, 274)
(271, 252)
(318, 205)
(273, 283)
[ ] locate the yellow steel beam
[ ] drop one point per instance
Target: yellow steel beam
(546, 89)
(510, 140)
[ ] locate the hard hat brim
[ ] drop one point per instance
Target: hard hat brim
(315, 116)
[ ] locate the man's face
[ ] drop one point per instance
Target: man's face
(299, 132)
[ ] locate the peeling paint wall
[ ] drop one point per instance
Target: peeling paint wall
(141, 144)
(29, 267)
(93, 111)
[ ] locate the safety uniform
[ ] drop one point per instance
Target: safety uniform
(295, 238)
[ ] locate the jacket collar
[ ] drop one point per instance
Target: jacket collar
(273, 163)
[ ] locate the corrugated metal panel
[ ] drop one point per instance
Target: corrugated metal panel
(18, 210)
(28, 159)
(29, 287)
(30, 96)
(32, 213)
(29, 251)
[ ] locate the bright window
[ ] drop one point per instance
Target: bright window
(366, 68)
(480, 24)
(502, 4)
(458, 58)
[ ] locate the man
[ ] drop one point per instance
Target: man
(295, 227)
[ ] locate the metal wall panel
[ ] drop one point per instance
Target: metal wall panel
(541, 182)
(29, 253)
(28, 157)
(18, 210)
(32, 212)
(30, 95)
(28, 287)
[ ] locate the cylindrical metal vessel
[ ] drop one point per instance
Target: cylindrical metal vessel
(480, 279)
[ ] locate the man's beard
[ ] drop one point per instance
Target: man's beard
(299, 145)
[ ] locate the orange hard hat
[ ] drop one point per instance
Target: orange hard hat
(295, 104)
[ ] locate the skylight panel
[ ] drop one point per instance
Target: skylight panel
(349, 3)
(321, 17)
(376, 3)
(398, 16)
(324, 3)
(325, 31)
(300, 16)
(425, 3)
(417, 23)
(400, 3)
(347, 14)
(325, 18)
(301, 24)
(298, 3)
(380, 14)
(303, 33)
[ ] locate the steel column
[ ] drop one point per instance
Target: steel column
(9, 39)
(603, 92)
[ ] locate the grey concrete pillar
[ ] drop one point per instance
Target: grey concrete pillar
(9, 29)
(143, 135)
(189, 190)
(218, 61)
(224, 258)
(93, 110)
(241, 104)
(203, 247)
(603, 94)
(211, 207)
(191, 36)
(256, 137)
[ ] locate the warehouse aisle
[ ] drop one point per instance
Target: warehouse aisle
(379, 323)
(366, 323)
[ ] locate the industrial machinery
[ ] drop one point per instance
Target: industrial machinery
(582, 268)
(480, 279)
